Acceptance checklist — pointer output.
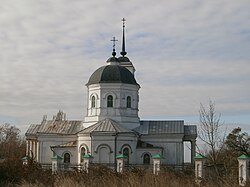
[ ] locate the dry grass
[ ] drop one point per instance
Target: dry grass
(112, 179)
(99, 177)
(34, 176)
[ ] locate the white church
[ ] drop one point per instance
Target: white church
(111, 126)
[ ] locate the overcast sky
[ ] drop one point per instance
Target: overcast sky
(185, 52)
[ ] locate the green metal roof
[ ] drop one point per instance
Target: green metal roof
(25, 158)
(56, 157)
(87, 156)
(199, 156)
(121, 156)
(243, 157)
(157, 156)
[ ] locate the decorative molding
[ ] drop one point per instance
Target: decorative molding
(85, 146)
(126, 146)
(103, 145)
(62, 155)
(142, 155)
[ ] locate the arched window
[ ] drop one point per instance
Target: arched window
(128, 102)
(146, 159)
(126, 153)
(93, 102)
(66, 158)
(83, 152)
(110, 101)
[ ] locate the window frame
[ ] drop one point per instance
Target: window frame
(66, 158)
(146, 159)
(83, 152)
(128, 101)
(110, 101)
(93, 102)
(126, 152)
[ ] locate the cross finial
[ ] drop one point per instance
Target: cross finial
(114, 40)
(123, 22)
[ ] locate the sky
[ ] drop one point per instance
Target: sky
(185, 52)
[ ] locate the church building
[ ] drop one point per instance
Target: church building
(111, 126)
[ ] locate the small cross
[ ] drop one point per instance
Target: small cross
(114, 40)
(123, 22)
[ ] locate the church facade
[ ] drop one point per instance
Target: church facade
(112, 125)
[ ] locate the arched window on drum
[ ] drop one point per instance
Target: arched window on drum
(128, 102)
(110, 101)
(93, 102)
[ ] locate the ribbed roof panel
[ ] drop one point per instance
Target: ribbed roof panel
(161, 127)
(60, 127)
(33, 128)
(106, 125)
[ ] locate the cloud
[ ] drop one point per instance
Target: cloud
(185, 52)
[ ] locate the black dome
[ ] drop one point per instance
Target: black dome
(112, 74)
(123, 59)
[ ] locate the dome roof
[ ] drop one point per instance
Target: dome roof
(112, 74)
(123, 59)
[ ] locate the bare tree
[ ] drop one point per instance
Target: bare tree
(211, 132)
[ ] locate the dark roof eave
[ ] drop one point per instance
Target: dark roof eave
(89, 83)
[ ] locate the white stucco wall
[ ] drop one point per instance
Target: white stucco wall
(128, 117)
(151, 151)
(172, 144)
(47, 140)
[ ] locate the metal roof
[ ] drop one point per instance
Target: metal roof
(33, 128)
(157, 156)
(60, 127)
(112, 74)
(87, 156)
(190, 130)
(142, 144)
(243, 157)
(124, 59)
(121, 156)
(199, 157)
(56, 157)
(161, 127)
(106, 125)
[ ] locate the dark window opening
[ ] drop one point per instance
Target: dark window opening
(83, 152)
(128, 102)
(126, 153)
(110, 101)
(146, 159)
(66, 158)
(93, 102)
